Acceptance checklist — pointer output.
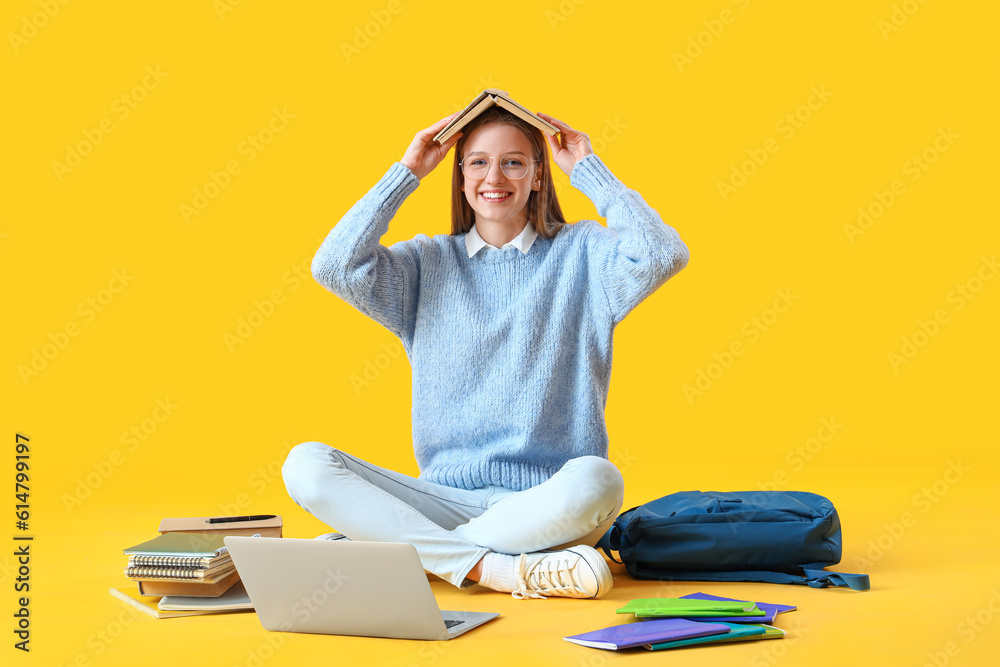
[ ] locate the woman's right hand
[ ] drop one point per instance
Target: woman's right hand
(424, 153)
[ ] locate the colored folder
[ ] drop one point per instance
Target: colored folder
(629, 635)
(779, 608)
(690, 608)
(771, 610)
(738, 632)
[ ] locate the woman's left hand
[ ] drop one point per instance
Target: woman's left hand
(571, 145)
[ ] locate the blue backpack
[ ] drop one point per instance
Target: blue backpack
(779, 537)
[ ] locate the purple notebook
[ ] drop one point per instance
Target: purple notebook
(629, 635)
(770, 610)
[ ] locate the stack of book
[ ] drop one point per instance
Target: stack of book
(169, 606)
(187, 564)
(695, 619)
(187, 570)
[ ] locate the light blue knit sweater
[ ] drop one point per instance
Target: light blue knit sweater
(510, 352)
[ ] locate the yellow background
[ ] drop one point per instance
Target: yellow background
(895, 76)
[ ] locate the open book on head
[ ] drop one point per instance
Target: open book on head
(484, 101)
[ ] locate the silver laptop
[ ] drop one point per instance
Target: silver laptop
(341, 587)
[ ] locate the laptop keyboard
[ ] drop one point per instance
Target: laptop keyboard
(450, 623)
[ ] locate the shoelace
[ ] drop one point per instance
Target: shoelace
(547, 577)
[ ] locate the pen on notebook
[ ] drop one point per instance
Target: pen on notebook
(228, 519)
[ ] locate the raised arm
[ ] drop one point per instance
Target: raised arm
(638, 252)
(381, 282)
(352, 263)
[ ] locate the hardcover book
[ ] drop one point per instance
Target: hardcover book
(484, 101)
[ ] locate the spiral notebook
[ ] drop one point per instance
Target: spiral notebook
(180, 546)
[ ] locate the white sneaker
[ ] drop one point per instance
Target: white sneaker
(577, 572)
(332, 536)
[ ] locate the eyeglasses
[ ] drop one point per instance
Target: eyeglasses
(513, 165)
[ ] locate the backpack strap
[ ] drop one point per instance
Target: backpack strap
(821, 578)
(813, 578)
(610, 540)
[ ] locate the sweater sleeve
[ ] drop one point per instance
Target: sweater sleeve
(380, 282)
(637, 252)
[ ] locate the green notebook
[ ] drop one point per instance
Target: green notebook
(180, 544)
(687, 607)
(738, 632)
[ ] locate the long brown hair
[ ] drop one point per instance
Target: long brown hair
(544, 212)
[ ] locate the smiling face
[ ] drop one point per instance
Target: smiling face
(511, 207)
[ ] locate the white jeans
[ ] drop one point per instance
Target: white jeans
(451, 528)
